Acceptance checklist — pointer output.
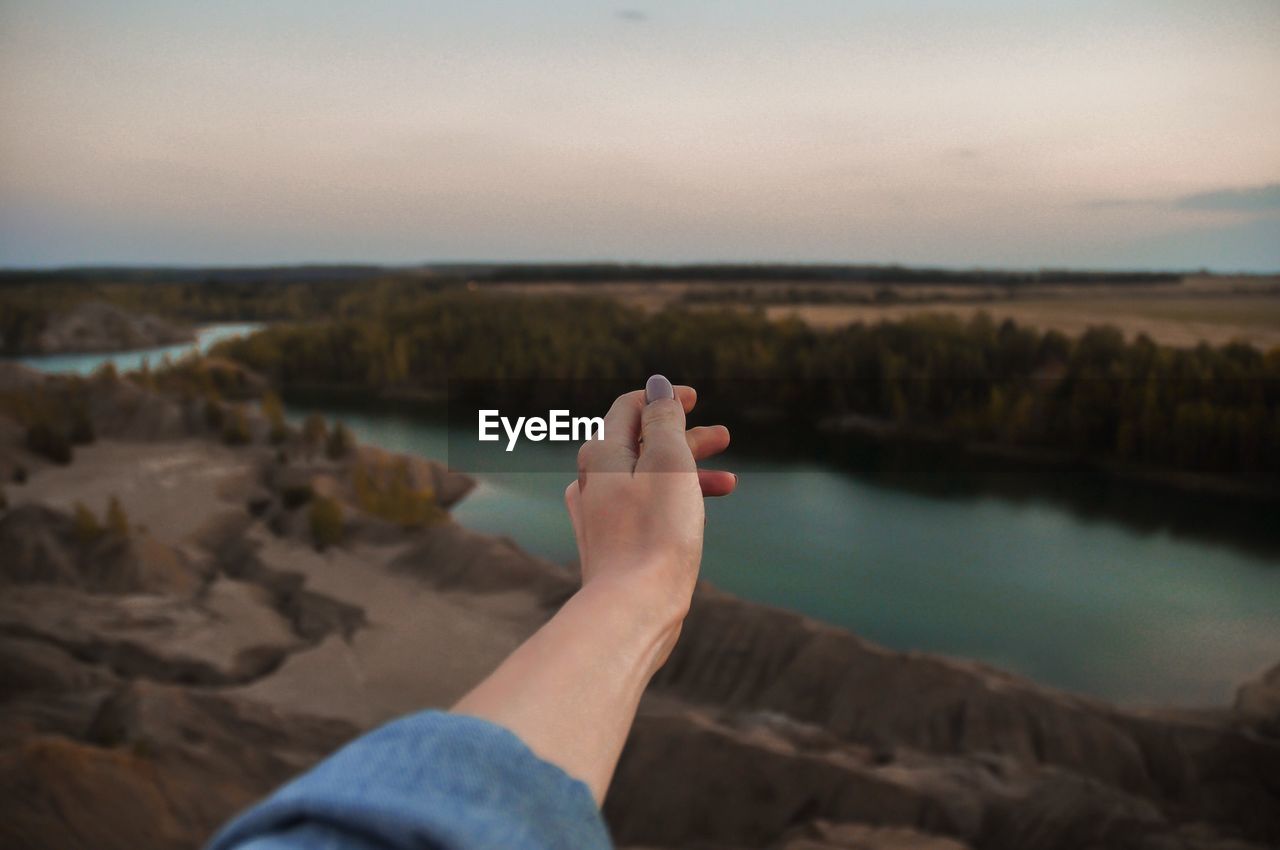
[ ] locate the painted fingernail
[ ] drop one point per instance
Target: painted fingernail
(658, 387)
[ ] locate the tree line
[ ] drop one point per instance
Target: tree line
(1210, 409)
(28, 298)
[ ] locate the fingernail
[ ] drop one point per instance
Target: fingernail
(658, 387)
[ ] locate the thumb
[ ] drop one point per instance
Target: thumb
(664, 447)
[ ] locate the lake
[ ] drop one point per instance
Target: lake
(1076, 598)
(127, 361)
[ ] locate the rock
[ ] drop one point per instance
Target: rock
(45, 690)
(16, 377)
(695, 778)
(227, 635)
(747, 656)
(455, 558)
(825, 835)
(750, 658)
(158, 767)
(1258, 702)
(449, 487)
(92, 326)
(42, 546)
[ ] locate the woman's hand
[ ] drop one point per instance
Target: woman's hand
(637, 507)
(571, 690)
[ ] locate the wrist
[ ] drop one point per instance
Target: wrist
(645, 612)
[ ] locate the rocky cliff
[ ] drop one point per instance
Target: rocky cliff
(158, 674)
(98, 326)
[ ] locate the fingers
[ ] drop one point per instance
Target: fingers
(688, 396)
(704, 442)
(616, 450)
(717, 482)
(619, 451)
(707, 440)
(662, 430)
(573, 502)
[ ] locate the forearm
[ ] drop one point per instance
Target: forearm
(571, 690)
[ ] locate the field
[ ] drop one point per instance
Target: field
(1181, 321)
(1207, 308)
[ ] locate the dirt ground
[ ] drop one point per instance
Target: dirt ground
(173, 488)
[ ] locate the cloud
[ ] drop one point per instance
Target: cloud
(1254, 199)
(633, 16)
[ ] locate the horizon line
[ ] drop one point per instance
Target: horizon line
(617, 263)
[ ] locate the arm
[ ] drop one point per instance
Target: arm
(570, 692)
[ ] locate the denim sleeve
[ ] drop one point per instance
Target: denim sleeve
(430, 780)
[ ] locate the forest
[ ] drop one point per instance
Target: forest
(27, 298)
(1206, 409)
(399, 332)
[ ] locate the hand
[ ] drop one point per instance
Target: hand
(637, 507)
(571, 690)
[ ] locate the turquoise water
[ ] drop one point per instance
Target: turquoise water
(127, 361)
(1086, 603)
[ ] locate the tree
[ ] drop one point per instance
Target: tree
(326, 522)
(314, 431)
(274, 411)
(85, 525)
(117, 519)
(971, 380)
(341, 442)
(107, 373)
(235, 429)
(386, 489)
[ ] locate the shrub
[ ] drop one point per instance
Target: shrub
(49, 442)
(235, 429)
(296, 495)
(86, 526)
(144, 377)
(341, 442)
(326, 522)
(386, 490)
(107, 373)
(274, 412)
(117, 519)
(314, 431)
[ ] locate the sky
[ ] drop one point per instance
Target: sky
(1010, 133)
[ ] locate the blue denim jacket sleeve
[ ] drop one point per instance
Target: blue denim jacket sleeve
(430, 780)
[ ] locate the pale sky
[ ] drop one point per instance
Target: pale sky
(1143, 133)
